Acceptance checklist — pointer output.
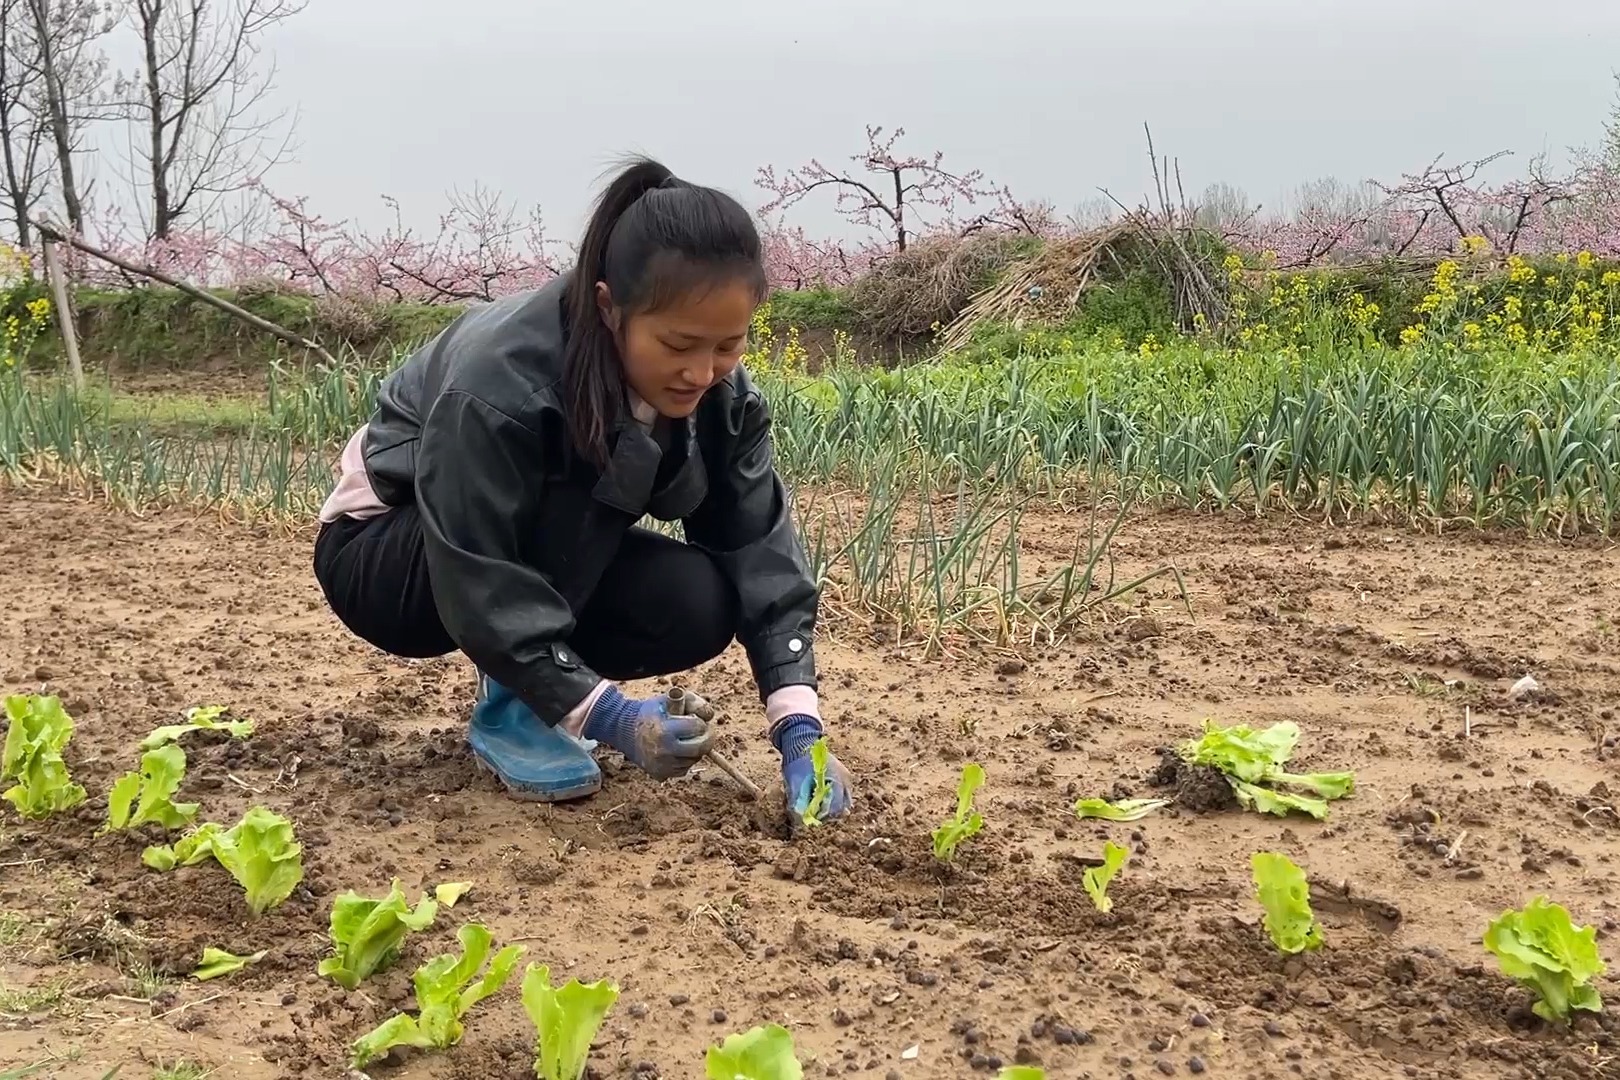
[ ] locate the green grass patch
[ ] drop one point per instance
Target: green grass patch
(28, 1000)
(181, 1070)
(813, 309)
(179, 413)
(15, 927)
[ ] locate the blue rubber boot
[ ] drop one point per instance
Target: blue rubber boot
(534, 760)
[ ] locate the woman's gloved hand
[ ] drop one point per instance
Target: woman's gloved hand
(793, 738)
(660, 745)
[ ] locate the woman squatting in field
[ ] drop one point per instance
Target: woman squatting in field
(489, 505)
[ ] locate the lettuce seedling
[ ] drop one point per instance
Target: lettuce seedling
(1021, 1072)
(761, 1053)
(38, 729)
(367, 933)
(146, 797)
(1541, 949)
(263, 857)
(189, 850)
(1098, 878)
(200, 718)
(259, 852)
(966, 821)
(1286, 895)
(565, 1019)
(218, 962)
(1252, 762)
(821, 790)
(1124, 810)
(450, 892)
(445, 992)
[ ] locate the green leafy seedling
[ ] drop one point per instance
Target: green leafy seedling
(445, 992)
(451, 892)
(1284, 892)
(189, 850)
(199, 718)
(565, 1020)
(218, 962)
(821, 790)
(38, 729)
(146, 797)
(1252, 762)
(259, 851)
(264, 858)
(1124, 810)
(366, 933)
(966, 822)
(761, 1053)
(1097, 879)
(1021, 1072)
(1541, 948)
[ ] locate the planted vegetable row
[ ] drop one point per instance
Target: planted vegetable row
(1537, 945)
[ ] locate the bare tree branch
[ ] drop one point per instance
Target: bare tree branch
(198, 97)
(23, 124)
(72, 75)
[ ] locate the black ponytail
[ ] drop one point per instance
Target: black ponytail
(654, 239)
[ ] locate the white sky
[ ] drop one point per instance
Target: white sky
(534, 97)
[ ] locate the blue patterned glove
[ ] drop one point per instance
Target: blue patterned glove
(794, 737)
(661, 745)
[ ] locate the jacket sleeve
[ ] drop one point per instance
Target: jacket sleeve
(476, 473)
(746, 526)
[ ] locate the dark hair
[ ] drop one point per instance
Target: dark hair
(655, 240)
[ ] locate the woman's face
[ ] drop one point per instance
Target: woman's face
(672, 357)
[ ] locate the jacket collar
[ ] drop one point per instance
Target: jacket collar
(627, 484)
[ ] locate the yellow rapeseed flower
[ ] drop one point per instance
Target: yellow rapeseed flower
(1584, 260)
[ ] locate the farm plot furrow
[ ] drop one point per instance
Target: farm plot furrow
(879, 953)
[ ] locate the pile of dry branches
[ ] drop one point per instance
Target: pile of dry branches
(910, 294)
(1048, 286)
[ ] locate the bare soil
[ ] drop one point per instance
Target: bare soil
(1374, 641)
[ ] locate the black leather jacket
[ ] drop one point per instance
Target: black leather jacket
(471, 428)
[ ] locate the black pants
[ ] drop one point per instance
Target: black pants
(661, 606)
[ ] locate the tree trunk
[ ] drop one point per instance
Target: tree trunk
(15, 185)
(16, 189)
(162, 218)
(899, 211)
(56, 105)
(19, 214)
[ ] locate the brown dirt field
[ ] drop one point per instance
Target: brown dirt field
(1372, 640)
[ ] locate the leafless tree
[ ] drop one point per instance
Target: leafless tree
(1224, 209)
(22, 122)
(73, 83)
(197, 103)
(1611, 130)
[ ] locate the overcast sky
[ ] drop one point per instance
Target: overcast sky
(534, 97)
